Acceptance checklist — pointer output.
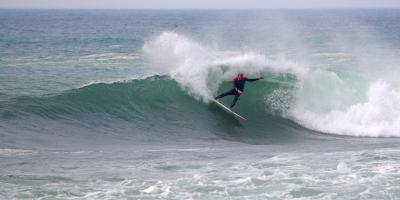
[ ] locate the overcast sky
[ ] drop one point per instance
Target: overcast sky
(199, 3)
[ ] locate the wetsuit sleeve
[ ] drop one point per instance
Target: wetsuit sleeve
(252, 79)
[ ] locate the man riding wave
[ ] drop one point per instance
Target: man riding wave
(238, 82)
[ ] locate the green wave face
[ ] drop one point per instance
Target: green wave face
(159, 105)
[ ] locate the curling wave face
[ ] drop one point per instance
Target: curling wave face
(325, 100)
(185, 75)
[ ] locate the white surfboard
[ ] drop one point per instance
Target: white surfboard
(228, 110)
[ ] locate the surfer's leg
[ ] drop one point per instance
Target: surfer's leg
(234, 100)
(230, 92)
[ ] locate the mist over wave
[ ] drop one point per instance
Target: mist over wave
(201, 69)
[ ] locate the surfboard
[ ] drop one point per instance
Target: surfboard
(228, 110)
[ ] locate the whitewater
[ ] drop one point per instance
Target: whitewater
(119, 106)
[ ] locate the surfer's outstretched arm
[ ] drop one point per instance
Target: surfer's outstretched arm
(254, 79)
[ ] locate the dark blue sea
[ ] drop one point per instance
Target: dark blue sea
(116, 104)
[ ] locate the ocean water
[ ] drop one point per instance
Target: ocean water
(115, 104)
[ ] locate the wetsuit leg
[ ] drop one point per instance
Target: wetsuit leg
(234, 100)
(230, 92)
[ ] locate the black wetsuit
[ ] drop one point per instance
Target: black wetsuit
(239, 84)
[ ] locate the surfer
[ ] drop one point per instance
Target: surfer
(238, 89)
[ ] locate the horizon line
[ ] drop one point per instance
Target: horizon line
(189, 8)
